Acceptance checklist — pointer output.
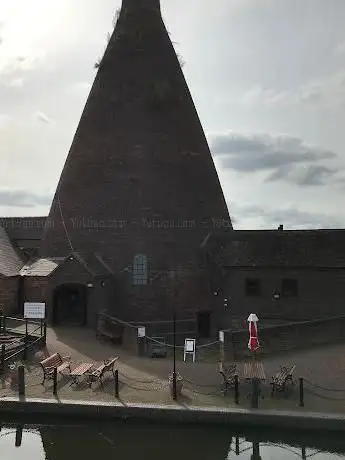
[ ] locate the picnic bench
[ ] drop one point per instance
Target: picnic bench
(254, 370)
(98, 374)
(229, 375)
(282, 377)
(61, 363)
(77, 373)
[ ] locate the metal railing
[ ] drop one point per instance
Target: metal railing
(28, 337)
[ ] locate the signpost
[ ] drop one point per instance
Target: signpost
(189, 349)
(34, 310)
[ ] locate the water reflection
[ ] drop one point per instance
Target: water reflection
(242, 449)
(156, 443)
(19, 443)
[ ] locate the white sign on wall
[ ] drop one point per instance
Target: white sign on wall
(141, 331)
(189, 348)
(34, 310)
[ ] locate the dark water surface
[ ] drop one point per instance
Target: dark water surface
(132, 442)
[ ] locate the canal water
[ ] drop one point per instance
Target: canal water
(123, 441)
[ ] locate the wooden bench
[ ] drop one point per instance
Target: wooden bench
(282, 377)
(229, 375)
(55, 360)
(98, 374)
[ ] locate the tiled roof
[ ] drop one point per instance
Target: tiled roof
(274, 248)
(10, 262)
(45, 266)
(41, 267)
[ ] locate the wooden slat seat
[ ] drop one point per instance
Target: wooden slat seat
(228, 373)
(98, 374)
(61, 363)
(281, 378)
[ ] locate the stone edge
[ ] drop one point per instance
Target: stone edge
(171, 414)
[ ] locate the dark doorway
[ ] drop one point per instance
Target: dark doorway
(204, 324)
(70, 305)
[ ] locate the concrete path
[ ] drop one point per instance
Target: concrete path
(145, 379)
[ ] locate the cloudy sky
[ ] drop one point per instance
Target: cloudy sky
(267, 77)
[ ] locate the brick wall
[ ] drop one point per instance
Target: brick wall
(9, 294)
(287, 337)
(321, 293)
(36, 289)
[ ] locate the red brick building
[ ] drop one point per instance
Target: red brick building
(133, 227)
(137, 196)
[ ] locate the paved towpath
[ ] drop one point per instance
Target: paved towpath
(145, 379)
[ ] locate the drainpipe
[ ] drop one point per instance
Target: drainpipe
(20, 295)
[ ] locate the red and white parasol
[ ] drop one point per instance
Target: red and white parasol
(253, 343)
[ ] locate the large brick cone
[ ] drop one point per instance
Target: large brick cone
(139, 176)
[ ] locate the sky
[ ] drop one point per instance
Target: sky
(267, 78)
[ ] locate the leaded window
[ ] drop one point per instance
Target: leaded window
(139, 270)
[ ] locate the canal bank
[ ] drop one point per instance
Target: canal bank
(34, 410)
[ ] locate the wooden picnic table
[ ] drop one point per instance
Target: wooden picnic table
(80, 371)
(254, 370)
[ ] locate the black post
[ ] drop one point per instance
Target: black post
(2, 358)
(26, 330)
(21, 381)
(55, 381)
(304, 454)
(19, 436)
(237, 445)
(256, 451)
(45, 333)
(255, 393)
(116, 383)
(301, 392)
(174, 369)
(237, 394)
(41, 330)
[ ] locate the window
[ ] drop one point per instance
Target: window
(289, 287)
(139, 270)
(253, 287)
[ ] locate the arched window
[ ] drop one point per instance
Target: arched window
(139, 270)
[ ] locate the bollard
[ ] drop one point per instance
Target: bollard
(55, 381)
(237, 445)
(301, 392)
(255, 393)
(2, 358)
(174, 387)
(237, 394)
(19, 436)
(116, 376)
(21, 381)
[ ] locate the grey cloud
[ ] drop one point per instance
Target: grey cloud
(291, 218)
(307, 175)
(23, 199)
(283, 157)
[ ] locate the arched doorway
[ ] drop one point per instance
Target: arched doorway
(70, 305)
